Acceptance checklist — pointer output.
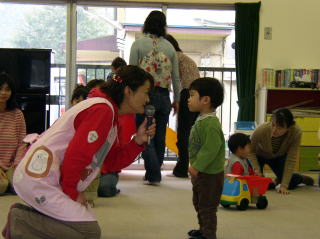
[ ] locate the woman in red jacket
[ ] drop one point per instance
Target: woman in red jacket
(58, 167)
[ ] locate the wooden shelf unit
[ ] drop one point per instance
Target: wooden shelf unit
(270, 99)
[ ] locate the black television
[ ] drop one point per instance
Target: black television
(29, 68)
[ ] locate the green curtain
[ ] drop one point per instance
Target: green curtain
(246, 42)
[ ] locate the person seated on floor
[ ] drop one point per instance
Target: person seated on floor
(276, 144)
(109, 180)
(79, 93)
(115, 66)
(95, 83)
(106, 184)
(12, 132)
(238, 163)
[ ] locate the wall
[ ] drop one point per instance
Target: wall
(295, 31)
(296, 35)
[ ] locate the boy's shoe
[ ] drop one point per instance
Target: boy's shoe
(307, 180)
(194, 233)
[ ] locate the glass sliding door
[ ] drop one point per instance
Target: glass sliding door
(38, 26)
(207, 37)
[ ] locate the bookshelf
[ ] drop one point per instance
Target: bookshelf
(270, 99)
(282, 78)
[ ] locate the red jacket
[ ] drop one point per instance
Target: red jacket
(80, 152)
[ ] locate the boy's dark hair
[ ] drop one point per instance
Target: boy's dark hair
(283, 117)
(118, 62)
(80, 90)
(11, 103)
(238, 140)
(155, 24)
(173, 42)
(211, 87)
(95, 83)
(131, 76)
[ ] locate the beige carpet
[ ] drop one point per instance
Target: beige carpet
(166, 212)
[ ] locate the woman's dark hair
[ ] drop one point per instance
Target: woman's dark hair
(11, 103)
(131, 76)
(211, 87)
(173, 42)
(155, 24)
(80, 91)
(283, 117)
(238, 140)
(94, 83)
(117, 62)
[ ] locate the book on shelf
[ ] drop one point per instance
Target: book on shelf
(306, 111)
(282, 78)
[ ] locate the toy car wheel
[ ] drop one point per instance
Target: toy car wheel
(244, 203)
(225, 205)
(262, 202)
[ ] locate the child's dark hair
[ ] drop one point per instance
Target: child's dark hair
(11, 103)
(80, 91)
(173, 42)
(118, 62)
(131, 76)
(283, 117)
(238, 140)
(211, 87)
(155, 24)
(94, 83)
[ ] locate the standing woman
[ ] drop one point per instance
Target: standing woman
(276, 144)
(67, 157)
(156, 55)
(189, 72)
(13, 130)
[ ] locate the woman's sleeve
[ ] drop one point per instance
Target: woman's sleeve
(291, 159)
(91, 130)
(237, 169)
(134, 56)
(175, 78)
(121, 156)
(21, 129)
(255, 137)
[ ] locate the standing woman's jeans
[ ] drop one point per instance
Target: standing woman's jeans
(153, 155)
(277, 166)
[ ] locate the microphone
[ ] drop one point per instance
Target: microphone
(149, 111)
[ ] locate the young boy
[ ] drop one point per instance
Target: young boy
(238, 163)
(206, 152)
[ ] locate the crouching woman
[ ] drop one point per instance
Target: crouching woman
(68, 156)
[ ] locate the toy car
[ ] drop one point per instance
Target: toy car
(242, 190)
(302, 84)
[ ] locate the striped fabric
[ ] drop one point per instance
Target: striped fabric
(12, 132)
(276, 143)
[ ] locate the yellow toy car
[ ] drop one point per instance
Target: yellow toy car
(243, 190)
